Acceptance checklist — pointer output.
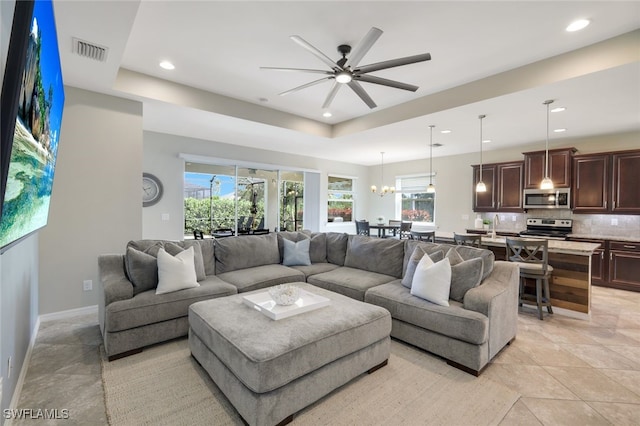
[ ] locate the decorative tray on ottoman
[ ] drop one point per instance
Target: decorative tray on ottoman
(264, 303)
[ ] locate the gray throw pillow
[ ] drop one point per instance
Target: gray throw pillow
(318, 248)
(454, 257)
(415, 258)
(296, 253)
(465, 276)
(142, 269)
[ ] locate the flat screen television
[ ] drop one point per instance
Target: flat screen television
(31, 117)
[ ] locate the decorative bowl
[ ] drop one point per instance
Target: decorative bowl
(284, 294)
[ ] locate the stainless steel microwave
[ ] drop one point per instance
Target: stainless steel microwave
(557, 198)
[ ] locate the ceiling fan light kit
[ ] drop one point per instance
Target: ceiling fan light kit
(346, 71)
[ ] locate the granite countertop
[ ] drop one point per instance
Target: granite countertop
(555, 246)
(627, 238)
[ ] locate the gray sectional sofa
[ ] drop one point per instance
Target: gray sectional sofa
(469, 332)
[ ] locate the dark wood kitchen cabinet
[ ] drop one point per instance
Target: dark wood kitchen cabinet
(607, 183)
(625, 194)
(624, 265)
(504, 187)
(615, 264)
(590, 191)
(560, 166)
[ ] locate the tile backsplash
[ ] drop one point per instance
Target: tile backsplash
(583, 224)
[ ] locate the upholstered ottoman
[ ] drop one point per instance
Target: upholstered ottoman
(271, 369)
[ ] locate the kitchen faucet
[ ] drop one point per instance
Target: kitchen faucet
(496, 221)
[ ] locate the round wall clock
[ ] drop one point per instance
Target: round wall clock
(151, 189)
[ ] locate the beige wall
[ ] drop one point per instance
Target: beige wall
(95, 204)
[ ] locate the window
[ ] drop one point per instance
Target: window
(413, 202)
(340, 199)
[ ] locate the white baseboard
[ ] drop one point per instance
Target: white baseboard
(15, 398)
(85, 310)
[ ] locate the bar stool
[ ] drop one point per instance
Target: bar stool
(533, 257)
(473, 240)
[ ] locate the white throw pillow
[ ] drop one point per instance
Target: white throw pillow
(432, 281)
(176, 272)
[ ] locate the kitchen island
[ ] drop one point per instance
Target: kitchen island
(570, 285)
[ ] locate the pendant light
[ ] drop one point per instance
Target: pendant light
(385, 189)
(481, 187)
(547, 183)
(431, 189)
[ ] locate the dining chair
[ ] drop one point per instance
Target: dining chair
(532, 255)
(198, 234)
(394, 231)
(473, 240)
(362, 227)
(405, 230)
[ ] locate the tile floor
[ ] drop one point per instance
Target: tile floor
(568, 371)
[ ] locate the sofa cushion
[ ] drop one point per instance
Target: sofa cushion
(384, 256)
(261, 276)
(336, 247)
(415, 258)
(315, 268)
(296, 253)
(432, 281)
(245, 251)
(452, 321)
(465, 276)
(176, 272)
(318, 247)
(351, 282)
(148, 308)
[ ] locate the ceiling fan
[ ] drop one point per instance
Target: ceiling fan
(346, 70)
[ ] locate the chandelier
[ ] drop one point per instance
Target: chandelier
(384, 190)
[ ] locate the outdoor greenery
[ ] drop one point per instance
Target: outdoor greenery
(197, 216)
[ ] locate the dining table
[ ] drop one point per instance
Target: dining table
(382, 229)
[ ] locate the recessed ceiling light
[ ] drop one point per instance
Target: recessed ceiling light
(486, 141)
(558, 109)
(326, 114)
(445, 131)
(167, 65)
(577, 25)
(560, 130)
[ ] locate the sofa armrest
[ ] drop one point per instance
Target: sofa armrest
(497, 298)
(115, 284)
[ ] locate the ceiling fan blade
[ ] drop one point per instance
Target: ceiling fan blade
(386, 82)
(363, 47)
(356, 87)
(298, 69)
(304, 86)
(393, 63)
(331, 95)
(324, 58)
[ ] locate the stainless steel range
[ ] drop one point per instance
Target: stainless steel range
(555, 229)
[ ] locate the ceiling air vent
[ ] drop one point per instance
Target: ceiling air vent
(90, 50)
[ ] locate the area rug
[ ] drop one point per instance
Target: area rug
(164, 385)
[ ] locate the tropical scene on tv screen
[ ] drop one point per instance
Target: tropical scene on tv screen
(35, 144)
